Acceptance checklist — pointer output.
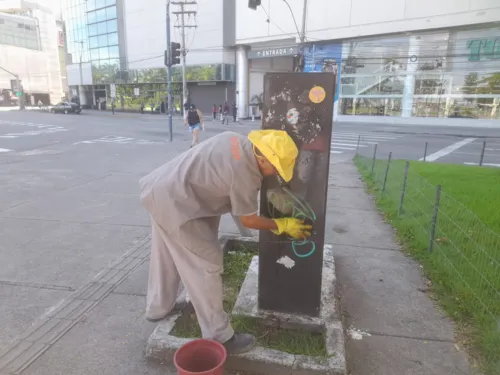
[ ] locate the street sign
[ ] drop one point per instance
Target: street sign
(290, 270)
(112, 89)
(263, 53)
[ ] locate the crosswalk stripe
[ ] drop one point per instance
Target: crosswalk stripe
(366, 134)
(344, 148)
(5, 150)
(363, 137)
(349, 144)
(336, 152)
(370, 142)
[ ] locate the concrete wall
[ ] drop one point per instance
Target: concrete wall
(327, 19)
(145, 30)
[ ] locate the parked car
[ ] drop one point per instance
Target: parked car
(66, 107)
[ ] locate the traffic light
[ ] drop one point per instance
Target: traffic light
(175, 50)
(253, 4)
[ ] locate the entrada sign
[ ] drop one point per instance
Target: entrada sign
(488, 48)
(273, 52)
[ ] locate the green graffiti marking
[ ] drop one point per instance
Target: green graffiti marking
(289, 204)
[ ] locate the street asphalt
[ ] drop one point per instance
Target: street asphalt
(70, 215)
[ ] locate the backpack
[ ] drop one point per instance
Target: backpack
(193, 117)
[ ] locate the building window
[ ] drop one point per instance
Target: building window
(111, 12)
(100, 15)
(93, 42)
(92, 30)
(112, 39)
(91, 17)
(101, 28)
(112, 26)
(114, 52)
(102, 40)
(100, 4)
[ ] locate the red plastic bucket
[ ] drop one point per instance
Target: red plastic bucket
(200, 357)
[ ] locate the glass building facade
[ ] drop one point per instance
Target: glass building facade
(452, 73)
(92, 36)
(445, 74)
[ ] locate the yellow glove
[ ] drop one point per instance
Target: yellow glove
(295, 228)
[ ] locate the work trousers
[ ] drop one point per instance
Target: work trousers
(192, 255)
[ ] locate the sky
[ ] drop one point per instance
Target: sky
(54, 4)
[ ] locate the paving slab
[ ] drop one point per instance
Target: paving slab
(385, 355)
(110, 340)
(21, 306)
(383, 292)
(136, 283)
(61, 253)
(359, 227)
(122, 209)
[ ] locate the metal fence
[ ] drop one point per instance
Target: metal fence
(460, 254)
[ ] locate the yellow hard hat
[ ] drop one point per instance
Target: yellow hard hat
(278, 148)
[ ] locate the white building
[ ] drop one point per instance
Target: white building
(408, 61)
(29, 48)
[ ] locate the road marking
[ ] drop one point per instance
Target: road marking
(447, 150)
(335, 152)
(5, 150)
(352, 144)
(485, 164)
(119, 140)
(344, 148)
(354, 136)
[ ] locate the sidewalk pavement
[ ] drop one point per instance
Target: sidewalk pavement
(394, 328)
(397, 330)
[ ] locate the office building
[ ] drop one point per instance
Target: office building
(117, 52)
(397, 61)
(29, 48)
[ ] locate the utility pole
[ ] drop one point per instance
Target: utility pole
(18, 84)
(182, 12)
(303, 28)
(81, 72)
(169, 77)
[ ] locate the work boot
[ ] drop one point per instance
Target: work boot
(240, 343)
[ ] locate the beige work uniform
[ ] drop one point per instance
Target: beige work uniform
(186, 198)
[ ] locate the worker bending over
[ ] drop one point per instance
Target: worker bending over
(186, 198)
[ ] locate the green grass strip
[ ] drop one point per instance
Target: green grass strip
(464, 264)
(236, 264)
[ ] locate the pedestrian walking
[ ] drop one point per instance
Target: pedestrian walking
(194, 120)
(186, 198)
(225, 114)
(220, 112)
(113, 106)
(142, 108)
(235, 111)
(214, 112)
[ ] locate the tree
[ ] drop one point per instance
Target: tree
(470, 84)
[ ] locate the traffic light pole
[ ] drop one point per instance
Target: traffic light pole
(18, 83)
(169, 77)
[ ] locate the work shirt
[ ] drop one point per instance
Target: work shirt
(216, 177)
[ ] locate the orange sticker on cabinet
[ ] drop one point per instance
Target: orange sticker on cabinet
(317, 94)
